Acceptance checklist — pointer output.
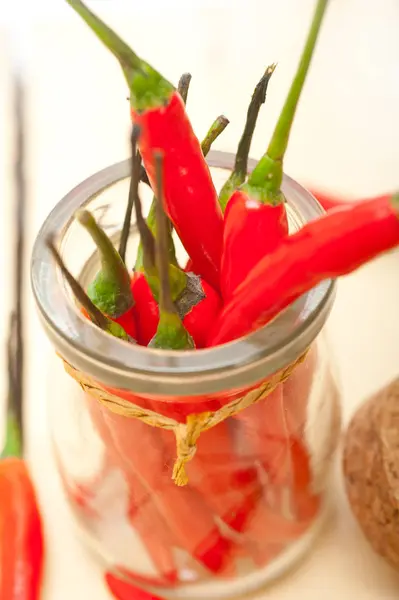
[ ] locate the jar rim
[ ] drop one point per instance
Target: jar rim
(235, 365)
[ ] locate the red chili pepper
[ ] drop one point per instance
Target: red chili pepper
(21, 541)
(197, 320)
(146, 309)
(196, 302)
(190, 196)
(182, 88)
(333, 245)
(255, 219)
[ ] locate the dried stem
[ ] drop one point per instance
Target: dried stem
(184, 85)
(133, 191)
(94, 313)
(258, 98)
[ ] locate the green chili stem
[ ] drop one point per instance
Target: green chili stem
(268, 172)
(133, 190)
(147, 87)
(14, 432)
(217, 127)
(125, 55)
(112, 265)
(279, 141)
(95, 314)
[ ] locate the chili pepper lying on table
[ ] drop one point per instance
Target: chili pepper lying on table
(335, 244)
(239, 173)
(197, 303)
(21, 537)
(255, 218)
(110, 290)
(122, 590)
(190, 197)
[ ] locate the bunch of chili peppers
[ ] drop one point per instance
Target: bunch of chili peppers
(244, 267)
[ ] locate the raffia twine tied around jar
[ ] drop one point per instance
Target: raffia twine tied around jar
(187, 433)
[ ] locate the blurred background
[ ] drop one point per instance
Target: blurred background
(345, 138)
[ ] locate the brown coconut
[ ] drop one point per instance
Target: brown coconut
(371, 470)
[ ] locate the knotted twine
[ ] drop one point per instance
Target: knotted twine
(187, 433)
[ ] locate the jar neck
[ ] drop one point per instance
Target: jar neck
(147, 371)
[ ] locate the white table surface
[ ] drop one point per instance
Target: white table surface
(345, 138)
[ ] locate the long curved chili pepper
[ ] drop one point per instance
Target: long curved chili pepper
(335, 244)
(110, 290)
(190, 197)
(239, 173)
(255, 218)
(215, 130)
(182, 88)
(90, 309)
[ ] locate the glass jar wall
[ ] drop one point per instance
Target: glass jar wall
(257, 490)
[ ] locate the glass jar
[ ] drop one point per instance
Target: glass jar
(257, 491)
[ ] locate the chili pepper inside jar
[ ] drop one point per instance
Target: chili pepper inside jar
(192, 474)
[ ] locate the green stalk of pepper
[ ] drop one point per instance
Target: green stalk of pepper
(110, 290)
(239, 173)
(171, 333)
(255, 218)
(94, 313)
